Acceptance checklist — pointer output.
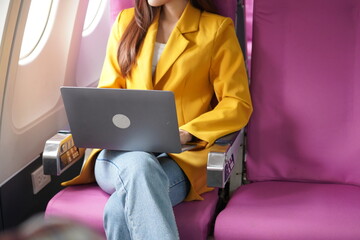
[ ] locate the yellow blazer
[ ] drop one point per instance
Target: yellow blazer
(202, 57)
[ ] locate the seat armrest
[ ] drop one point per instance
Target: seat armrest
(222, 157)
(60, 153)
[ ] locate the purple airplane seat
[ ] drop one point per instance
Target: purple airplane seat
(303, 168)
(85, 203)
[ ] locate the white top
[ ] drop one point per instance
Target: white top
(159, 48)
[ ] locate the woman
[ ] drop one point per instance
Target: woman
(172, 45)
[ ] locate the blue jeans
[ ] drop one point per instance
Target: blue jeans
(143, 190)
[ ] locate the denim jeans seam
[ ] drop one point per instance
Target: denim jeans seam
(129, 218)
(130, 221)
(177, 183)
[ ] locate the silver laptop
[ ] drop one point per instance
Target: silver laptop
(123, 119)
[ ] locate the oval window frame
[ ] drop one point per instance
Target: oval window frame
(93, 15)
(39, 14)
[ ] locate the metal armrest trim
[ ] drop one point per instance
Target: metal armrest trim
(60, 153)
(222, 157)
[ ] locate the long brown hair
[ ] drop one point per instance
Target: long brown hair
(137, 28)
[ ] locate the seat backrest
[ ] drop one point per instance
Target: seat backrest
(117, 5)
(249, 5)
(225, 8)
(305, 88)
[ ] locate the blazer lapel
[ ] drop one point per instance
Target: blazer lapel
(173, 49)
(177, 43)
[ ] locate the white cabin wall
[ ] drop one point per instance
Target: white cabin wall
(93, 48)
(27, 119)
(33, 110)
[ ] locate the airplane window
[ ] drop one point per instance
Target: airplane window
(4, 5)
(92, 12)
(35, 25)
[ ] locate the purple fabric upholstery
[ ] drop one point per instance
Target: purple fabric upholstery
(117, 5)
(226, 8)
(85, 204)
(306, 91)
(305, 129)
(195, 219)
(249, 6)
(290, 210)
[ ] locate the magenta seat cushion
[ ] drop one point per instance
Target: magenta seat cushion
(85, 204)
(290, 210)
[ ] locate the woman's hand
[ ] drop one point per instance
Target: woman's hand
(184, 136)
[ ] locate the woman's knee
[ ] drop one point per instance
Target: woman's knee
(133, 164)
(143, 164)
(120, 170)
(106, 173)
(128, 160)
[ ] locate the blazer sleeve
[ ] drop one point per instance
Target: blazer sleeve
(229, 78)
(111, 76)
